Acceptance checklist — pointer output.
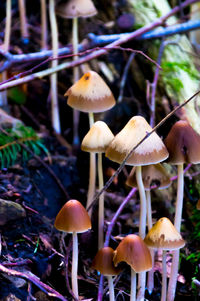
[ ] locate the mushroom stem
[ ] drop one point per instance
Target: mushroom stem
(164, 277)
(43, 24)
(23, 23)
(111, 288)
(101, 203)
(179, 199)
(150, 282)
(53, 77)
(76, 113)
(6, 45)
(149, 211)
(75, 264)
(133, 286)
(92, 174)
(177, 224)
(142, 227)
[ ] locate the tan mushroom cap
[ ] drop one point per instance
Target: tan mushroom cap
(98, 138)
(103, 262)
(76, 8)
(72, 217)
(183, 144)
(134, 252)
(151, 151)
(90, 94)
(152, 175)
(164, 235)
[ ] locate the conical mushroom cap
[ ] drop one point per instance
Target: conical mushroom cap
(134, 252)
(151, 175)
(72, 217)
(76, 8)
(151, 151)
(98, 138)
(164, 235)
(183, 144)
(90, 94)
(103, 262)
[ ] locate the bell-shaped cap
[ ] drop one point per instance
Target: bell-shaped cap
(164, 235)
(103, 262)
(76, 8)
(98, 138)
(150, 151)
(90, 94)
(183, 144)
(152, 175)
(134, 252)
(72, 217)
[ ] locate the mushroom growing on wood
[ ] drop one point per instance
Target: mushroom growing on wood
(73, 218)
(135, 253)
(163, 235)
(103, 262)
(96, 141)
(183, 144)
(92, 95)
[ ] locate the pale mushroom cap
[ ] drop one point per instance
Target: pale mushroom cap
(90, 94)
(103, 262)
(98, 138)
(134, 252)
(183, 144)
(76, 8)
(164, 235)
(151, 151)
(72, 217)
(152, 175)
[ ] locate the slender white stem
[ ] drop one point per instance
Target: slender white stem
(177, 224)
(76, 113)
(179, 199)
(53, 77)
(173, 276)
(6, 45)
(150, 281)
(92, 173)
(101, 203)
(111, 288)
(133, 286)
(43, 24)
(149, 211)
(75, 264)
(142, 228)
(164, 277)
(23, 22)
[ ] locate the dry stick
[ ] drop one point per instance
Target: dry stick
(159, 22)
(3, 95)
(44, 34)
(53, 78)
(35, 280)
(23, 22)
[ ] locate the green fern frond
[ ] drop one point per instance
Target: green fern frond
(11, 148)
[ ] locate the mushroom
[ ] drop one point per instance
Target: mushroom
(135, 253)
(44, 32)
(103, 262)
(90, 94)
(73, 218)
(150, 151)
(183, 144)
(23, 22)
(153, 176)
(163, 235)
(75, 9)
(96, 141)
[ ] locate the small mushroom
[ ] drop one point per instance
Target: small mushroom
(73, 218)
